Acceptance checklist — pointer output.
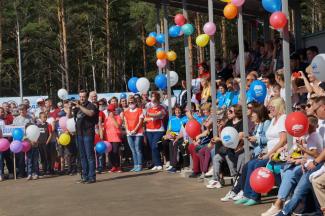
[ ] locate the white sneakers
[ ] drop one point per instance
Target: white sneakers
(271, 211)
(209, 173)
(239, 196)
(214, 184)
(158, 168)
(229, 196)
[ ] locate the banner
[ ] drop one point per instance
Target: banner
(7, 130)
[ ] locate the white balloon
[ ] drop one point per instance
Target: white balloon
(318, 66)
(230, 137)
(33, 133)
(50, 120)
(143, 85)
(71, 125)
(173, 78)
(63, 94)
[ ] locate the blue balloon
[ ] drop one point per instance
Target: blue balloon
(153, 34)
(161, 81)
(17, 134)
(258, 91)
(188, 29)
(101, 147)
(132, 84)
(272, 5)
(159, 49)
(160, 38)
(174, 31)
(123, 96)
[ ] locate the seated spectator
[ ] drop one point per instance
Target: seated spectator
(292, 170)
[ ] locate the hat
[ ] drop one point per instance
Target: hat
(111, 107)
(39, 100)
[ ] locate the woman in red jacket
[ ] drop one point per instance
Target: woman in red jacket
(155, 127)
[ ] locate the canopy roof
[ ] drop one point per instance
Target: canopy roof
(251, 8)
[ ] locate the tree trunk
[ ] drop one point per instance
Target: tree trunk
(108, 61)
(313, 18)
(198, 27)
(63, 44)
(144, 54)
(224, 39)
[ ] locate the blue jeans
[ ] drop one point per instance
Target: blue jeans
(1, 164)
(135, 146)
(32, 161)
(290, 177)
(87, 157)
(302, 189)
(101, 162)
(153, 139)
(251, 166)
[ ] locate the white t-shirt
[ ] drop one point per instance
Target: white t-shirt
(273, 132)
(283, 93)
(314, 141)
(321, 130)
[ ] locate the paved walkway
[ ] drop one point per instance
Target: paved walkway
(144, 194)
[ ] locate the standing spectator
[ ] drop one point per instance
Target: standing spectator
(50, 110)
(44, 141)
(32, 162)
(155, 127)
(112, 125)
(133, 118)
(22, 120)
(8, 117)
(87, 118)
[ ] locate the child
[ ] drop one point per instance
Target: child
(43, 141)
(32, 162)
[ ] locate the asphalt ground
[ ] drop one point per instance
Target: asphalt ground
(136, 194)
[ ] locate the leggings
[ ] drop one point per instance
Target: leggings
(115, 154)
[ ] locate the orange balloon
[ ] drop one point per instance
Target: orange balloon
(230, 11)
(151, 41)
(161, 55)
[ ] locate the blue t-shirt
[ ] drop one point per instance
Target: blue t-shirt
(221, 99)
(175, 124)
(200, 119)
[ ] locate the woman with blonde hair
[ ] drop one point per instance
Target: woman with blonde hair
(276, 139)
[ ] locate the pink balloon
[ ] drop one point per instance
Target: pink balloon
(238, 3)
(210, 28)
(109, 147)
(161, 63)
(63, 123)
(26, 146)
(16, 146)
(4, 145)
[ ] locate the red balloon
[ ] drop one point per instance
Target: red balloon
(180, 19)
(262, 180)
(278, 20)
(193, 128)
(297, 124)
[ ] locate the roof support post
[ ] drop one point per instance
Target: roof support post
(243, 82)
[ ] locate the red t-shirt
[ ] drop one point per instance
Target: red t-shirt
(54, 113)
(9, 119)
(113, 133)
(132, 118)
(155, 124)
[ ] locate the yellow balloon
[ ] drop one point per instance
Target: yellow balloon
(227, 1)
(64, 139)
(202, 40)
(171, 56)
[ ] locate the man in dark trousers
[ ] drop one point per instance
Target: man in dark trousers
(86, 119)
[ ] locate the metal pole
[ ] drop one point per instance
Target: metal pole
(286, 65)
(213, 74)
(169, 90)
(158, 24)
(20, 66)
(187, 63)
(243, 82)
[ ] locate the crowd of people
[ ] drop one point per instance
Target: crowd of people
(140, 123)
